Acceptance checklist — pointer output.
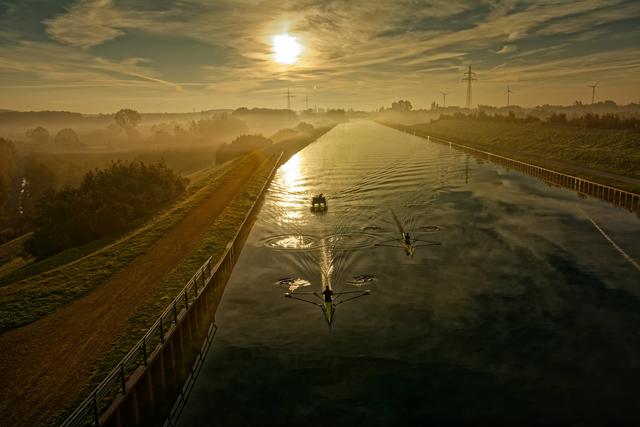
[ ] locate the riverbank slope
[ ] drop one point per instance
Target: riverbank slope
(607, 156)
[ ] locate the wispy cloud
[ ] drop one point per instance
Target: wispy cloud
(384, 49)
(92, 22)
(507, 48)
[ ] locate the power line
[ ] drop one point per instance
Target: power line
(469, 77)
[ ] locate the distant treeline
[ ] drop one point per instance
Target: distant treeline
(212, 129)
(589, 121)
(7, 169)
(246, 143)
(240, 145)
(107, 201)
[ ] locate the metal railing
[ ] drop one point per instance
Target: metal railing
(115, 383)
(616, 196)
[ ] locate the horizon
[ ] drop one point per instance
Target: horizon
(347, 110)
(98, 56)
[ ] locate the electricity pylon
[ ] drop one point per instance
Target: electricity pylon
(593, 92)
(469, 76)
(289, 95)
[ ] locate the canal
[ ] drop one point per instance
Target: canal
(514, 309)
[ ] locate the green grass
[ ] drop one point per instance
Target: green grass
(613, 151)
(44, 287)
(11, 255)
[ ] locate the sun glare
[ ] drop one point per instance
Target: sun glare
(286, 49)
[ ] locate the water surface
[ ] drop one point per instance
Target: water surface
(525, 314)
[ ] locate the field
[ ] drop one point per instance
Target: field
(582, 152)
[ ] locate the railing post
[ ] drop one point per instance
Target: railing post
(123, 379)
(96, 414)
(144, 350)
(161, 330)
(186, 298)
(175, 312)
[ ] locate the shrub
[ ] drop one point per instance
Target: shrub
(107, 201)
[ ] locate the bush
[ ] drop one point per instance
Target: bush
(241, 145)
(106, 202)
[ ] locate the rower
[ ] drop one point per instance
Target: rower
(328, 294)
(407, 239)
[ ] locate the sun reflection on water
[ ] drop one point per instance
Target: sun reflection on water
(291, 200)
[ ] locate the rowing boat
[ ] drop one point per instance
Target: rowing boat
(328, 307)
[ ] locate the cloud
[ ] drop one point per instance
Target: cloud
(507, 48)
(93, 22)
(387, 48)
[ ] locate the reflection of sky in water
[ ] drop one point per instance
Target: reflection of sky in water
(524, 313)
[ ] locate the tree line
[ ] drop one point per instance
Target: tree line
(107, 201)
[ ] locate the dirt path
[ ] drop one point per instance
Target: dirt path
(44, 365)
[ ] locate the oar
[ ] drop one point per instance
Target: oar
(287, 295)
(365, 293)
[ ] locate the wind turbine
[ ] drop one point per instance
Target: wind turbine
(593, 91)
(509, 92)
(444, 99)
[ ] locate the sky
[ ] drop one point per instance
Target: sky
(98, 56)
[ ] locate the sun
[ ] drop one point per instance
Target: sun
(286, 49)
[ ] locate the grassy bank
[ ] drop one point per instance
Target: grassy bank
(576, 151)
(39, 289)
(218, 235)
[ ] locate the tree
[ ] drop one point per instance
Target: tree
(127, 119)
(401, 106)
(557, 119)
(68, 139)
(240, 145)
(106, 202)
(39, 179)
(7, 168)
(38, 135)
(219, 126)
(304, 127)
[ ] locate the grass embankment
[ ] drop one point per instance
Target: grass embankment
(218, 235)
(41, 288)
(10, 255)
(565, 149)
